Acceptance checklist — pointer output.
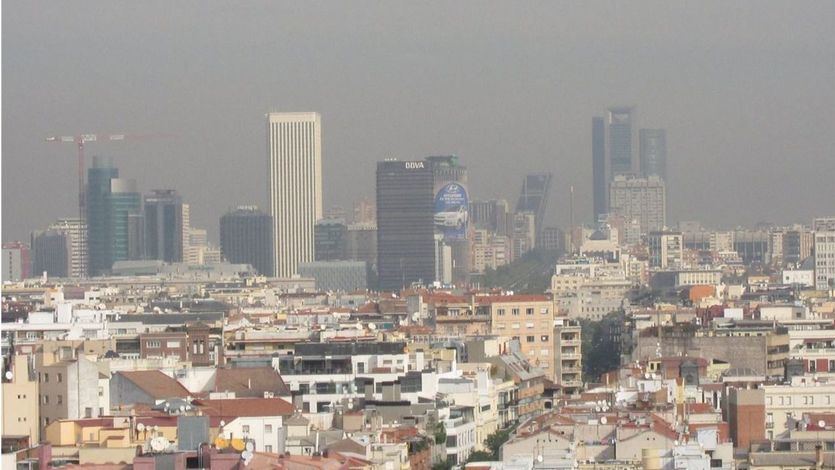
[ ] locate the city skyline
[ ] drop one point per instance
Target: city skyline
(707, 92)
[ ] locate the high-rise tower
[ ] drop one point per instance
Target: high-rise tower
(653, 152)
(294, 145)
(620, 140)
(598, 167)
(405, 224)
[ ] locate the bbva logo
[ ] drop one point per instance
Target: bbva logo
(414, 165)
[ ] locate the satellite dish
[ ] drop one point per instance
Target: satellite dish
(539, 458)
(158, 444)
(222, 423)
(372, 326)
(603, 420)
(323, 327)
(140, 427)
(359, 326)
(9, 375)
(598, 409)
(821, 424)
(250, 446)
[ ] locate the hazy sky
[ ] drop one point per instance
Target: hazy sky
(746, 91)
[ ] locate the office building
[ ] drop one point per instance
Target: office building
(405, 224)
(164, 221)
(620, 140)
(246, 238)
(16, 262)
(642, 199)
(492, 215)
(294, 143)
(98, 228)
(125, 221)
(653, 153)
(330, 237)
(361, 243)
(337, 276)
(598, 167)
(534, 198)
(51, 253)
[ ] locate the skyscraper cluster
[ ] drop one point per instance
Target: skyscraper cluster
(634, 189)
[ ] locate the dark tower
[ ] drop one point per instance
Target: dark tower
(405, 224)
(598, 166)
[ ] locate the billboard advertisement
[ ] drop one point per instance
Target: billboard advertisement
(452, 211)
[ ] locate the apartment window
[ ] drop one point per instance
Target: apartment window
(101, 391)
(516, 325)
(88, 412)
(543, 310)
(245, 429)
(500, 312)
(514, 312)
(544, 352)
(45, 399)
(768, 400)
(531, 339)
(60, 377)
(544, 338)
(528, 311)
(812, 367)
(152, 344)
(268, 429)
(46, 378)
(788, 400)
(172, 344)
(60, 399)
(268, 449)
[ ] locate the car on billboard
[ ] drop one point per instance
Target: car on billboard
(452, 218)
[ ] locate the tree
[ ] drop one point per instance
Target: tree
(440, 434)
(601, 344)
(480, 456)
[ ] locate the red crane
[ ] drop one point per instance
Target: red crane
(80, 140)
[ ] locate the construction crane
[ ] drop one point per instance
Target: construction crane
(79, 141)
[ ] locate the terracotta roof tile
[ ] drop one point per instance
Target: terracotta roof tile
(155, 383)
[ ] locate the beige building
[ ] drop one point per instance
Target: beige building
(530, 319)
(20, 400)
(786, 404)
(71, 387)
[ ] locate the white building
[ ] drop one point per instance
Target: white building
(824, 259)
(294, 143)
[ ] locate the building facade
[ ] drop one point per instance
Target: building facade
(620, 140)
(641, 199)
(653, 153)
(598, 166)
(246, 237)
(405, 224)
(164, 217)
(294, 142)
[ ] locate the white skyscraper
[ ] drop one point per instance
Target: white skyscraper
(294, 144)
